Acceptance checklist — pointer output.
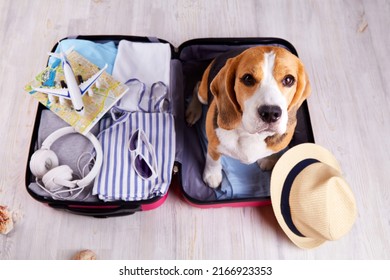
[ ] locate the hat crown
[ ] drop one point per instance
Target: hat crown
(321, 202)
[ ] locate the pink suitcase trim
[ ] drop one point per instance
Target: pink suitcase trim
(230, 204)
(153, 205)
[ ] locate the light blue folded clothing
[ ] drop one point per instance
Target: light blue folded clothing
(97, 53)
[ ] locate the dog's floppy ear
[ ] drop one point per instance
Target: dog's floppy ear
(303, 88)
(222, 87)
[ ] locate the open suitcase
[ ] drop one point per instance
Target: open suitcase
(186, 66)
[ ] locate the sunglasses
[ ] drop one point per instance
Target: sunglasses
(142, 152)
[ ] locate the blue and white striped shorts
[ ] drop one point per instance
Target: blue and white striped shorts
(117, 179)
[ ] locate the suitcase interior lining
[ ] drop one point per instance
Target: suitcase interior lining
(195, 60)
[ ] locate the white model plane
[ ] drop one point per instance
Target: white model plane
(74, 92)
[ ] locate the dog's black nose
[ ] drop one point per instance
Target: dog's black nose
(270, 114)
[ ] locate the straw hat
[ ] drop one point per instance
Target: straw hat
(311, 200)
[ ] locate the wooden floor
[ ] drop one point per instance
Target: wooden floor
(345, 46)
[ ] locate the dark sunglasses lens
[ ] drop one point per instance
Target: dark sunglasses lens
(133, 141)
(142, 167)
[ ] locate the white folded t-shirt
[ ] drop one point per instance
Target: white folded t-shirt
(147, 63)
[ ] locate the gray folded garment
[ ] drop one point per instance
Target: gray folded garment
(70, 149)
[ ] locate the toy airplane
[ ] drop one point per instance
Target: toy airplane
(74, 92)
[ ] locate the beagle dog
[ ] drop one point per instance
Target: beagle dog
(253, 96)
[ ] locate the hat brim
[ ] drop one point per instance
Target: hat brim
(279, 174)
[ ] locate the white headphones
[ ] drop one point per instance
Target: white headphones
(44, 165)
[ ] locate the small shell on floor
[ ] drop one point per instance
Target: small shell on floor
(85, 255)
(6, 222)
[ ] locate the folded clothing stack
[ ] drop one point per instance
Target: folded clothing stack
(145, 170)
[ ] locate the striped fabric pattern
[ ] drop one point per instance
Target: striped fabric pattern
(117, 179)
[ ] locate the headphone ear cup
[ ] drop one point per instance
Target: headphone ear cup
(42, 161)
(58, 177)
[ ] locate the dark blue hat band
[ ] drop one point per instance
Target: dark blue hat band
(285, 197)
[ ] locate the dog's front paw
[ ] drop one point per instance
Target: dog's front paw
(212, 174)
(213, 179)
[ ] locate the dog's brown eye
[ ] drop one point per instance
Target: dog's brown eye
(248, 80)
(288, 81)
